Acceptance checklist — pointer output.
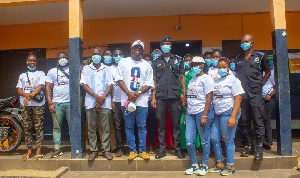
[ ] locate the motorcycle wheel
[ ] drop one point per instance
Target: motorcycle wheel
(10, 134)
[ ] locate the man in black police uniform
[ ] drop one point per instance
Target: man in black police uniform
(249, 67)
(166, 95)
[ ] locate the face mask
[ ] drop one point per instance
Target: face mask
(222, 72)
(208, 62)
(246, 46)
(166, 48)
(31, 68)
(118, 58)
(232, 66)
(107, 59)
(271, 64)
(155, 56)
(196, 70)
(214, 62)
(150, 62)
(63, 62)
(96, 59)
(186, 65)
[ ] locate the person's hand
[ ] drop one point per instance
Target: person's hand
(183, 100)
(26, 101)
(203, 121)
(100, 99)
(231, 122)
(137, 95)
(153, 103)
(98, 105)
(113, 107)
(52, 108)
(132, 96)
(268, 97)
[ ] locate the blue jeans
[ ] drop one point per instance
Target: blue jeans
(140, 117)
(192, 127)
(220, 129)
(62, 109)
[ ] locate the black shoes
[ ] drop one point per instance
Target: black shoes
(160, 155)
(259, 152)
(248, 151)
(179, 154)
(93, 156)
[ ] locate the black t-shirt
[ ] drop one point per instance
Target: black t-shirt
(167, 77)
(250, 73)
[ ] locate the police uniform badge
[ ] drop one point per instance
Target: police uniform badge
(256, 60)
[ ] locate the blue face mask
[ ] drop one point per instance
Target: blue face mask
(118, 58)
(31, 68)
(150, 62)
(245, 46)
(214, 62)
(166, 48)
(271, 64)
(96, 59)
(186, 65)
(107, 59)
(155, 56)
(208, 62)
(196, 70)
(222, 72)
(232, 66)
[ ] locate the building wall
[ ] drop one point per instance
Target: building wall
(211, 29)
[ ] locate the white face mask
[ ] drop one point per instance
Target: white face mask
(63, 62)
(131, 107)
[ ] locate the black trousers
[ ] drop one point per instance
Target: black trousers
(151, 124)
(269, 106)
(253, 109)
(119, 125)
(162, 106)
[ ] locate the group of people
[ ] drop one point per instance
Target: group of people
(205, 96)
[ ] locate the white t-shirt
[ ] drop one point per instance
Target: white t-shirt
(98, 80)
(116, 88)
(213, 73)
(269, 85)
(197, 90)
(225, 89)
(135, 75)
(61, 90)
(36, 78)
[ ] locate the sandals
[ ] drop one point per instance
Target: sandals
(38, 157)
(26, 157)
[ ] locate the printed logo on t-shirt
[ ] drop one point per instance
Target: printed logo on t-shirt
(62, 80)
(135, 76)
(216, 92)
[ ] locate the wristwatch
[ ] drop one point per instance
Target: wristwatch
(140, 92)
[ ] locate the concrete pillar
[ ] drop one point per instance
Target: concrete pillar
(280, 50)
(75, 50)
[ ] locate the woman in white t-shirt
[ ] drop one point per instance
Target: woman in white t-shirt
(227, 98)
(30, 84)
(199, 117)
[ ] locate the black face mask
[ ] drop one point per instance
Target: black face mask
(137, 56)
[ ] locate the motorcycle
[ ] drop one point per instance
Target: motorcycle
(11, 132)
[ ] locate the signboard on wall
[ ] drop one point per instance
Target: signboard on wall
(294, 62)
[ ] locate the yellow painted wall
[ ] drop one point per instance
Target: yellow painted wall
(211, 29)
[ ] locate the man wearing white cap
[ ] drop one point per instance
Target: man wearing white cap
(135, 77)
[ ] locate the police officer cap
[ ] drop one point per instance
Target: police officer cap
(166, 38)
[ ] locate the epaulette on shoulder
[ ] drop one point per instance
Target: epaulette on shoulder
(260, 53)
(238, 56)
(178, 57)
